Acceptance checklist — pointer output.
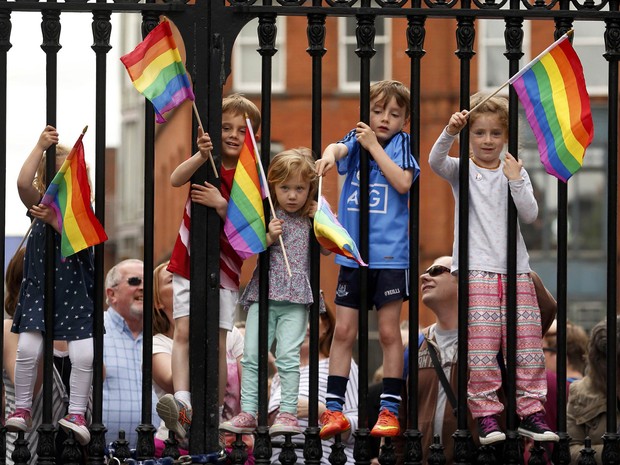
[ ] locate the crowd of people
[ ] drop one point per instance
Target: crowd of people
(292, 178)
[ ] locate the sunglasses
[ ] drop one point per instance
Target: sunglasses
(134, 281)
(437, 270)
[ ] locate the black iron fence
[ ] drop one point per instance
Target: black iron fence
(209, 30)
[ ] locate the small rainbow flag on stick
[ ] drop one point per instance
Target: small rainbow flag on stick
(69, 196)
(552, 90)
(245, 218)
(156, 70)
(331, 235)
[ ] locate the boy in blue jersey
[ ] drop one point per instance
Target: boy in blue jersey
(392, 171)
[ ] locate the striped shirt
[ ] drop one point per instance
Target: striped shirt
(350, 410)
(230, 262)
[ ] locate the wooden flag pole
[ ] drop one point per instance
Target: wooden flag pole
(203, 128)
(264, 183)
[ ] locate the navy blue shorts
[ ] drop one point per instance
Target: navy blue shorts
(384, 286)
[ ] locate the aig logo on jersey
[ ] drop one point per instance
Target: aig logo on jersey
(378, 198)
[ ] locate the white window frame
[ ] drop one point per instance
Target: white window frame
(486, 43)
(597, 42)
(344, 40)
(248, 43)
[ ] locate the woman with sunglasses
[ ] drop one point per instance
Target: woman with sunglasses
(73, 300)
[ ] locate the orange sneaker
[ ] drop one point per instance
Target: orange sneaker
(387, 425)
(333, 423)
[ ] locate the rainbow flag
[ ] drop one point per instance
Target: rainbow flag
(156, 70)
(553, 92)
(245, 218)
(69, 195)
(332, 236)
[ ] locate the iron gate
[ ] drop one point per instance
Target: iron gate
(209, 29)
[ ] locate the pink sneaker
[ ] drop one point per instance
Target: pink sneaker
(285, 423)
(19, 420)
(244, 423)
(77, 424)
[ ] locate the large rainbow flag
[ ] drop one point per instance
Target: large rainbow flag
(553, 92)
(156, 70)
(332, 235)
(245, 218)
(69, 195)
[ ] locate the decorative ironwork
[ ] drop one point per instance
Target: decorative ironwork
(71, 453)
(387, 454)
(21, 453)
(436, 455)
(415, 37)
(97, 444)
(287, 455)
(337, 455)
(413, 447)
(316, 35)
(50, 27)
(513, 36)
(262, 446)
(313, 450)
(5, 30)
(102, 30)
(46, 447)
(365, 34)
(267, 32)
(612, 40)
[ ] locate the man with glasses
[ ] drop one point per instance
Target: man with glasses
(438, 353)
(122, 350)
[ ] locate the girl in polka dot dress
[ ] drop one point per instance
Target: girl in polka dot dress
(73, 301)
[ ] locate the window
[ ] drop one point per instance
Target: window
(589, 44)
(247, 61)
(493, 65)
(349, 62)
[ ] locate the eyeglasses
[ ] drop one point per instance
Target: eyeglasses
(133, 281)
(437, 270)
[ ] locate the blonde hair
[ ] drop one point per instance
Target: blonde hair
(495, 105)
(161, 323)
(292, 162)
(237, 104)
(40, 182)
(384, 91)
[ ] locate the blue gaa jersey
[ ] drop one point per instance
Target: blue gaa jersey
(389, 210)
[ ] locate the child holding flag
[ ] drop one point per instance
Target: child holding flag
(392, 171)
(489, 181)
(73, 305)
(175, 410)
(293, 184)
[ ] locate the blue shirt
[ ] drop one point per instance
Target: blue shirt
(122, 387)
(389, 210)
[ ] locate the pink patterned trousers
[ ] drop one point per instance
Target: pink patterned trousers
(487, 320)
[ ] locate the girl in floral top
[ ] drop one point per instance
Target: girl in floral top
(292, 183)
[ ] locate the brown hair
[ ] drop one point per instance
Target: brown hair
(291, 162)
(13, 281)
(237, 104)
(576, 345)
(495, 105)
(384, 91)
(325, 341)
(161, 323)
(597, 355)
(39, 182)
